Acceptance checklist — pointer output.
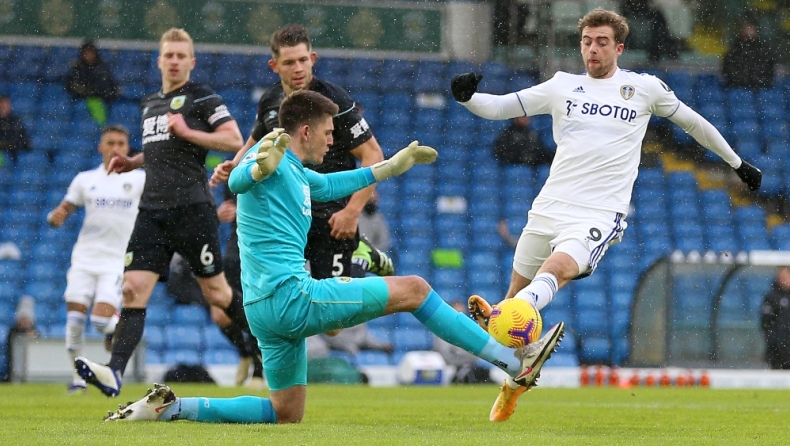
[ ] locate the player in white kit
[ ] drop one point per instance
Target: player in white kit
(97, 260)
(599, 120)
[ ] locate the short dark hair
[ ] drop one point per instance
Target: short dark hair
(601, 17)
(115, 128)
(304, 107)
(289, 35)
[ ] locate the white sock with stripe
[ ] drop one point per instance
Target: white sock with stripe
(541, 291)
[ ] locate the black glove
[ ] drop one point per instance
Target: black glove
(750, 175)
(464, 86)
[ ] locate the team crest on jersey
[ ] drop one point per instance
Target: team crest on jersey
(127, 259)
(627, 91)
(178, 102)
(127, 187)
(344, 279)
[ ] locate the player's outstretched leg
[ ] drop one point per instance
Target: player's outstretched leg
(148, 408)
(480, 310)
(533, 356)
(106, 379)
(161, 404)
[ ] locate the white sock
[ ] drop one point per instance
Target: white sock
(75, 327)
(103, 324)
(541, 291)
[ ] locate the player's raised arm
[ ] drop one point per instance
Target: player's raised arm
(707, 136)
(489, 106)
(330, 186)
(225, 138)
(267, 157)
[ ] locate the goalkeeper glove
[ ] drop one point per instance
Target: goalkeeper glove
(270, 152)
(403, 161)
(464, 86)
(750, 175)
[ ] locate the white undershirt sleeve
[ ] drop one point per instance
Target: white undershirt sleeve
(705, 133)
(491, 106)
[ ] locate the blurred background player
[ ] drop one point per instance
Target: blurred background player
(333, 235)
(13, 136)
(177, 210)
(600, 118)
(24, 326)
(96, 273)
(775, 321)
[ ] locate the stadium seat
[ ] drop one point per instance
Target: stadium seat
(189, 315)
(184, 337)
(188, 357)
(44, 270)
(215, 340)
(7, 313)
(158, 315)
(58, 64)
(414, 338)
(371, 357)
(154, 338)
(407, 321)
(366, 74)
(220, 356)
(594, 350)
(44, 291)
(380, 333)
(386, 323)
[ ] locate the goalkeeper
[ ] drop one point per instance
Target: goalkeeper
(284, 305)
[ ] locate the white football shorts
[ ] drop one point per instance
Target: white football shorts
(87, 288)
(552, 226)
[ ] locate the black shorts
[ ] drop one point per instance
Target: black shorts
(192, 231)
(328, 256)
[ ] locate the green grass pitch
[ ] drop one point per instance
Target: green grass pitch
(455, 415)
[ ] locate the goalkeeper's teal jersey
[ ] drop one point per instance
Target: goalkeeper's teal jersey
(274, 214)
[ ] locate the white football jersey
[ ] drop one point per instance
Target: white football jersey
(598, 125)
(110, 203)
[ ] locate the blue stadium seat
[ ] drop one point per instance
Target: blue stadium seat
(371, 357)
(184, 337)
(407, 321)
(414, 338)
(157, 314)
(781, 237)
(153, 357)
(189, 357)
(396, 75)
(753, 214)
(381, 334)
(58, 63)
(154, 338)
(366, 74)
(7, 312)
(133, 91)
(429, 77)
(214, 338)
(220, 357)
(44, 292)
(448, 277)
(189, 315)
(387, 323)
(594, 350)
(232, 70)
(12, 286)
(41, 269)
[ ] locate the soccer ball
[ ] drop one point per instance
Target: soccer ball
(515, 323)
